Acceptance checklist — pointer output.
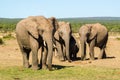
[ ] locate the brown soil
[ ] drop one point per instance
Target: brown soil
(10, 55)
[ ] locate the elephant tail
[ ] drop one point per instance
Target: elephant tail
(106, 40)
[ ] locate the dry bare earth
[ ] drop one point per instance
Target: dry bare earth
(10, 55)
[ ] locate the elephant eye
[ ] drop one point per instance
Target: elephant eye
(41, 32)
(88, 34)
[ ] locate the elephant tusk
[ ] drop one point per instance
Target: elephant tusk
(44, 43)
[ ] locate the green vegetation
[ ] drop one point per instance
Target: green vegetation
(1, 41)
(66, 73)
(8, 36)
(112, 23)
(118, 38)
(7, 24)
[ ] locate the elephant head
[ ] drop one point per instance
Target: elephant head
(55, 25)
(62, 35)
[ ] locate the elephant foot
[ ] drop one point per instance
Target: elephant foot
(69, 61)
(62, 59)
(26, 65)
(50, 68)
(83, 59)
(35, 68)
(102, 56)
(44, 67)
(92, 58)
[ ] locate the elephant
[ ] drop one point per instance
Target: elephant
(96, 35)
(74, 48)
(62, 40)
(31, 34)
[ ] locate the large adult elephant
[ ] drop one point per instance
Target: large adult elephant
(31, 33)
(62, 37)
(95, 35)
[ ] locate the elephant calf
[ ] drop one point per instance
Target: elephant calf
(62, 39)
(73, 48)
(94, 35)
(65, 42)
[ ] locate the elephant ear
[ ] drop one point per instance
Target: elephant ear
(68, 23)
(93, 32)
(54, 22)
(56, 35)
(32, 29)
(70, 27)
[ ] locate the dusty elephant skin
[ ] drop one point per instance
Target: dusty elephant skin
(31, 33)
(94, 35)
(63, 37)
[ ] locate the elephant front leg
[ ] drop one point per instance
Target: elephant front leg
(34, 48)
(60, 51)
(35, 60)
(91, 53)
(91, 49)
(44, 57)
(83, 50)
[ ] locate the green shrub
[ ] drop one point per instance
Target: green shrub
(8, 36)
(1, 41)
(118, 38)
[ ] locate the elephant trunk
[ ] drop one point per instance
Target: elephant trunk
(83, 49)
(67, 43)
(49, 42)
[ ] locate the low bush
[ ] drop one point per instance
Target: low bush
(8, 36)
(1, 41)
(118, 38)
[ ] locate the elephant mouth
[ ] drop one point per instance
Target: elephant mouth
(88, 40)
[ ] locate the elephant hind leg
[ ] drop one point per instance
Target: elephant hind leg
(25, 54)
(102, 48)
(102, 53)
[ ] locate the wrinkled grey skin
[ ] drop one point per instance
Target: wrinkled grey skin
(62, 38)
(31, 34)
(73, 48)
(94, 35)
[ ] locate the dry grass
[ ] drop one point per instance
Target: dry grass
(105, 69)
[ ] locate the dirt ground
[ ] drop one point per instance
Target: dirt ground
(10, 55)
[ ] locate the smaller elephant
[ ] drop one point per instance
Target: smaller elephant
(62, 40)
(73, 48)
(95, 35)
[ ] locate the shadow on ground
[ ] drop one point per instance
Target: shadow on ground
(96, 58)
(57, 67)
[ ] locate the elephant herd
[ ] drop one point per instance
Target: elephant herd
(50, 35)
